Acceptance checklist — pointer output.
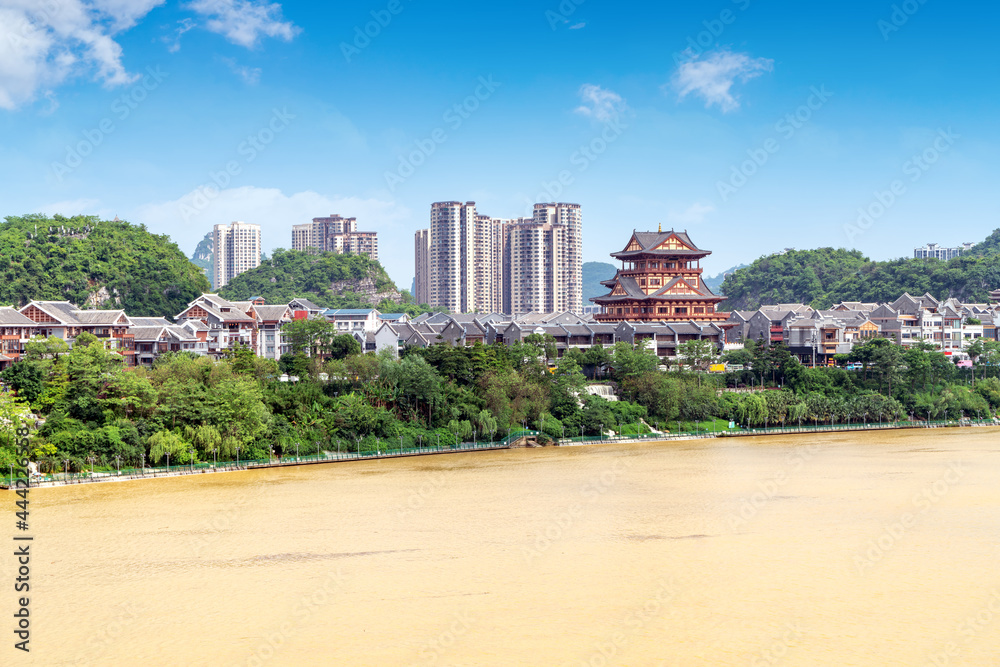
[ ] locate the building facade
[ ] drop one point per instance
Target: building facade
(422, 266)
(933, 250)
(237, 249)
(335, 234)
(660, 281)
(469, 262)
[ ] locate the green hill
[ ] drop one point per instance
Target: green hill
(326, 279)
(826, 276)
(97, 263)
(593, 274)
(204, 255)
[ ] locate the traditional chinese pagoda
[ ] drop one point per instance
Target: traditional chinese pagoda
(660, 281)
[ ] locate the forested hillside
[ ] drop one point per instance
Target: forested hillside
(593, 274)
(827, 276)
(326, 279)
(97, 263)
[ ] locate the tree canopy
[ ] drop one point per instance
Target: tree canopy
(73, 259)
(826, 276)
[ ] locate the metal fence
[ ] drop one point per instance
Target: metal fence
(388, 451)
(94, 475)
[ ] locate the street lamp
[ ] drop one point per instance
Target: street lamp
(118, 464)
(66, 476)
(168, 463)
(191, 452)
(237, 457)
(142, 464)
(602, 432)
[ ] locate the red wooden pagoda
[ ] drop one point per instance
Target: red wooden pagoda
(660, 281)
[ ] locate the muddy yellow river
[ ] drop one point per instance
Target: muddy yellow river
(842, 549)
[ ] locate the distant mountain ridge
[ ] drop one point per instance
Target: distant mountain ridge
(826, 276)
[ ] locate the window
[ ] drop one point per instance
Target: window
(680, 311)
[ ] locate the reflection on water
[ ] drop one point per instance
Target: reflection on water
(843, 549)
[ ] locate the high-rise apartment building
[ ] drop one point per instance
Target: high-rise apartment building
(470, 262)
(422, 260)
(237, 249)
(335, 234)
(544, 261)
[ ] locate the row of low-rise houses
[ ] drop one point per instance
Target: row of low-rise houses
(211, 325)
(816, 335)
(566, 329)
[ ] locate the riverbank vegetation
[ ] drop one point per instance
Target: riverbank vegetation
(195, 409)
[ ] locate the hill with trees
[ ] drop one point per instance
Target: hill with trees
(95, 263)
(826, 276)
(327, 279)
(203, 255)
(593, 274)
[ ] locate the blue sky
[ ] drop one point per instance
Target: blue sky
(754, 125)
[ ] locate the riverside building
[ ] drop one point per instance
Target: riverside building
(660, 281)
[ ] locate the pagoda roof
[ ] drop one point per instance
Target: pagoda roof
(632, 292)
(660, 243)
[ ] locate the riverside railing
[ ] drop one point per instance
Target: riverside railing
(389, 451)
(779, 430)
(383, 449)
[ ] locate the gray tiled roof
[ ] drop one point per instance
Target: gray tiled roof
(12, 317)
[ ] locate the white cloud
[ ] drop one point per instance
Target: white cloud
(692, 215)
(191, 216)
(243, 22)
(599, 103)
(250, 75)
(42, 44)
(174, 41)
(712, 77)
(578, 26)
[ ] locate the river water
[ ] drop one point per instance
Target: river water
(836, 549)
